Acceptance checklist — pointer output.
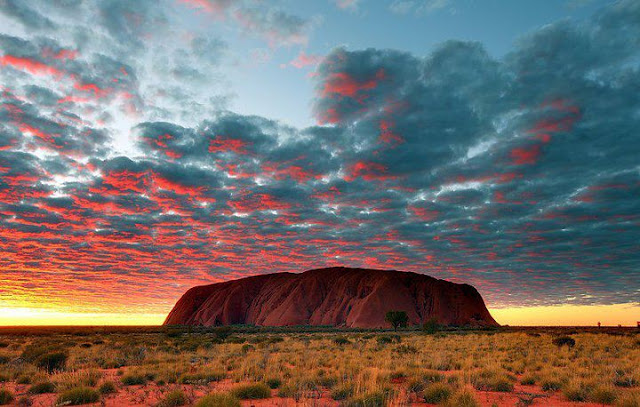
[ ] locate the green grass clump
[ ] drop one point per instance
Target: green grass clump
(52, 362)
(78, 395)
(218, 400)
(551, 385)
(133, 379)
(251, 391)
(576, 392)
(603, 395)
(490, 380)
(342, 393)
(463, 398)
(201, 378)
(274, 383)
(629, 400)
(107, 388)
(436, 393)
(376, 399)
(6, 397)
(42, 388)
(174, 399)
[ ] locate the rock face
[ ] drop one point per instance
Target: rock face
(334, 296)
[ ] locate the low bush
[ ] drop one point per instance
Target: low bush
(375, 399)
(42, 388)
(218, 400)
(561, 341)
(174, 399)
(53, 361)
(133, 379)
(342, 393)
(201, 378)
(341, 341)
(436, 393)
(78, 395)
(274, 383)
(603, 395)
(107, 388)
(251, 391)
(463, 398)
(576, 391)
(6, 397)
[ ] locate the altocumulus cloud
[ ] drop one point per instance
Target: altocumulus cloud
(518, 175)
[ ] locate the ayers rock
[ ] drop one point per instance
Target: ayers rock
(346, 297)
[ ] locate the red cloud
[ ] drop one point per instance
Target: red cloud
(30, 65)
(342, 84)
(221, 144)
(368, 171)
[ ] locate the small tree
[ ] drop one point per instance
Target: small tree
(397, 319)
(431, 326)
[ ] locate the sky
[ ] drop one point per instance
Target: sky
(150, 146)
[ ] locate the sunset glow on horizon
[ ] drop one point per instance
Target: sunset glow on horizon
(151, 146)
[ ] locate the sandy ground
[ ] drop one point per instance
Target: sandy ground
(150, 394)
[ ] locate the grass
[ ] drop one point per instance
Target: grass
(133, 379)
(251, 391)
(42, 388)
(108, 387)
(449, 367)
(6, 397)
(218, 400)
(437, 393)
(174, 399)
(77, 396)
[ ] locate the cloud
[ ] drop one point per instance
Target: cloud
(518, 175)
(419, 7)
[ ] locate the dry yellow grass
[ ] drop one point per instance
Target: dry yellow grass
(601, 368)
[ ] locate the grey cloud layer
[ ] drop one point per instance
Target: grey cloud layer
(518, 175)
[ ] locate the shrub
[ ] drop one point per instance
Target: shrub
(288, 390)
(551, 384)
(603, 395)
(246, 348)
(4, 359)
(405, 349)
(342, 393)
(340, 341)
(6, 397)
(436, 393)
(377, 399)
(201, 378)
(464, 398)
(576, 392)
(385, 339)
(415, 386)
(490, 380)
(53, 361)
(42, 388)
(561, 341)
(174, 399)
(274, 383)
(629, 400)
(251, 391)
(78, 395)
(23, 379)
(528, 380)
(431, 326)
(107, 388)
(218, 400)
(133, 379)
